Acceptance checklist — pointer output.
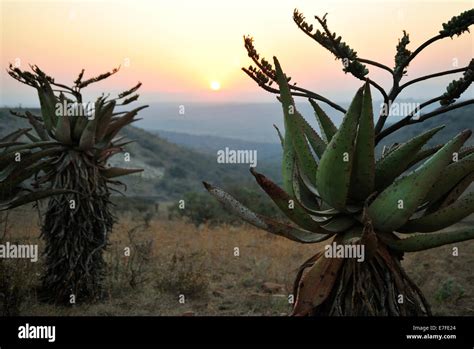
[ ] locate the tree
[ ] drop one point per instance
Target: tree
(334, 188)
(63, 157)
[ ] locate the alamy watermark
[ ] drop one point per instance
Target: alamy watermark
(231, 156)
(86, 109)
(356, 251)
(8, 250)
(401, 109)
(28, 331)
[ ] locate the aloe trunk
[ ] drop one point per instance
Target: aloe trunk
(376, 287)
(76, 229)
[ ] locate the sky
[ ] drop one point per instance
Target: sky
(192, 51)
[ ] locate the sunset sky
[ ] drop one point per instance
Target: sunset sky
(180, 49)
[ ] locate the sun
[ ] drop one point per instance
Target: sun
(215, 85)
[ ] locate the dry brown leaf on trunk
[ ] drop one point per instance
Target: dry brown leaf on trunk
(316, 284)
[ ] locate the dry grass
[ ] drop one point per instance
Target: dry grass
(173, 258)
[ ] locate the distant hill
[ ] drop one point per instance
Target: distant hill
(455, 121)
(170, 170)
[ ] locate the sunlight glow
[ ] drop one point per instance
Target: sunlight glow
(215, 85)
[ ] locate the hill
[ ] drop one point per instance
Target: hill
(170, 170)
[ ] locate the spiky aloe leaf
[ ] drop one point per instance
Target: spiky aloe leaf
(112, 172)
(262, 222)
(33, 196)
(425, 242)
(282, 140)
(48, 103)
(63, 130)
(328, 129)
(32, 137)
(465, 152)
(334, 171)
(16, 168)
(397, 161)
(8, 186)
(79, 126)
(450, 177)
(116, 124)
(424, 154)
(318, 145)
(12, 137)
(302, 193)
(454, 194)
(63, 124)
(287, 204)
(394, 206)
(21, 146)
(363, 168)
(339, 223)
(443, 218)
(104, 120)
(87, 139)
(22, 151)
(9, 144)
(294, 128)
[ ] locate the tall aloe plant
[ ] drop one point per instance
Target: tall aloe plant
(64, 156)
(336, 190)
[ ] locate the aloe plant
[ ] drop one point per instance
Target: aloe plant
(336, 190)
(64, 156)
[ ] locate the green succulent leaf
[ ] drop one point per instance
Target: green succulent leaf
(335, 167)
(397, 161)
(395, 205)
(302, 193)
(424, 154)
(454, 194)
(451, 176)
(294, 128)
(262, 222)
(339, 223)
(363, 167)
(288, 204)
(443, 218)
(328, 129)
(425, 242)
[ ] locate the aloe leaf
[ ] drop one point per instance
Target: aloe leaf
(442, 218)
(363, 167)
(335, 167)
(396, 162)
(287, 204)
(294, 127)
(328, 129)
(262, 222)
(425, 242)
(396, 204)
(112, 172)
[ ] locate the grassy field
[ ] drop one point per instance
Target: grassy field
(170, 259)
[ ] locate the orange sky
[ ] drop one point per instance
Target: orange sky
(178, 47)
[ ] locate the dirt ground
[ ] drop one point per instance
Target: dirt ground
(176, 268)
